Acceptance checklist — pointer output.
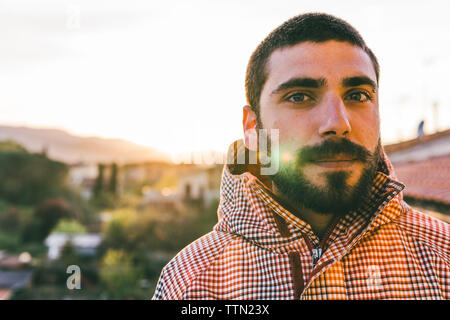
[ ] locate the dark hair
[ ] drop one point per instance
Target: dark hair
(314, 27)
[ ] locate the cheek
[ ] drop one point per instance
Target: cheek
(293, 130)
(366, 129)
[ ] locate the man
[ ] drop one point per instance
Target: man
(330, 222)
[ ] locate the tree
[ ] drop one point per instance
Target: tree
(98, 185)
(10, 218)
(69, 255)
(102, 197)
(116, 235)
(27, 178)
(11, 146)
(70, 226)
(119, 275)
(113, 179)
(45, 218)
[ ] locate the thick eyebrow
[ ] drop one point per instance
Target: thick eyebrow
(300, 82)
(357, 81)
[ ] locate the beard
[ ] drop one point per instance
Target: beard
(336, 197)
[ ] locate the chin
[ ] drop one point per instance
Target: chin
(321, 177)
(325, 191)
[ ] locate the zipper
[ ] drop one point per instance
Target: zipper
(328, 233)
(316, 254)
(317, 251)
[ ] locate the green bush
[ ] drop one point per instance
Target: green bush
(45, 217)
(9, 241)
(70, 226)
(27, 178)
(120, 276)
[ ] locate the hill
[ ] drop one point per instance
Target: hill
(62, 146)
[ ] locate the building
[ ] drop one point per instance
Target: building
(8, 261)
(202, 184)
(132, 175)
(163, 200)
(421, 148)
(423, 165)
(193, 185)
(83, 177)
(84, 244)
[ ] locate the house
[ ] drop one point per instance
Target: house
(14, 261)
(84, 244)
(201, 184)
(83, 176)
(423, 165)
(421, 148)
(144, 173)
(163, 200)
(194, 185)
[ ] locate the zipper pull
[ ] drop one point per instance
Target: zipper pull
(316, 254)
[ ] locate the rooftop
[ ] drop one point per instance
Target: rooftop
(426, 179)
(78, 240)
(404, 145)
(14, 279)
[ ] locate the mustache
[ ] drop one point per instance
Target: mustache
(332, 148)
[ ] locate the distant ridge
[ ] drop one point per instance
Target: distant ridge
(71, 149)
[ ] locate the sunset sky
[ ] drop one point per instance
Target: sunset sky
(170, 74)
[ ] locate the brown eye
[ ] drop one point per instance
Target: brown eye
(298, 97)
(359, 96)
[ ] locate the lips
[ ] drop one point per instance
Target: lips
(338, 158)
(335, 162)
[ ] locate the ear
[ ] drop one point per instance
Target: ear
(249, 124)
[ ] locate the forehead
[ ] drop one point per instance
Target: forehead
(331, 60)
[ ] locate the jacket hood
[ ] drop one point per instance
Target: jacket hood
(248, 208)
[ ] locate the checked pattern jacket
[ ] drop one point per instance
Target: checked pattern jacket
(260, 250)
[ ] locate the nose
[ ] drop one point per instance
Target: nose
(334, 118)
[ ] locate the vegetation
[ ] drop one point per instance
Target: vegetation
(138, 239)
(120, 275)
(30, 178)
(70, 226)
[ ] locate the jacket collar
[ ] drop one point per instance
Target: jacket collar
(248, 208)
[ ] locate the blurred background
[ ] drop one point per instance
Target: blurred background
(111, 113)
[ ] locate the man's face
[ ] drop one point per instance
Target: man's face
(323, 98)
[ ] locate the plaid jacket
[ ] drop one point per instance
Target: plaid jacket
(260, 250)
